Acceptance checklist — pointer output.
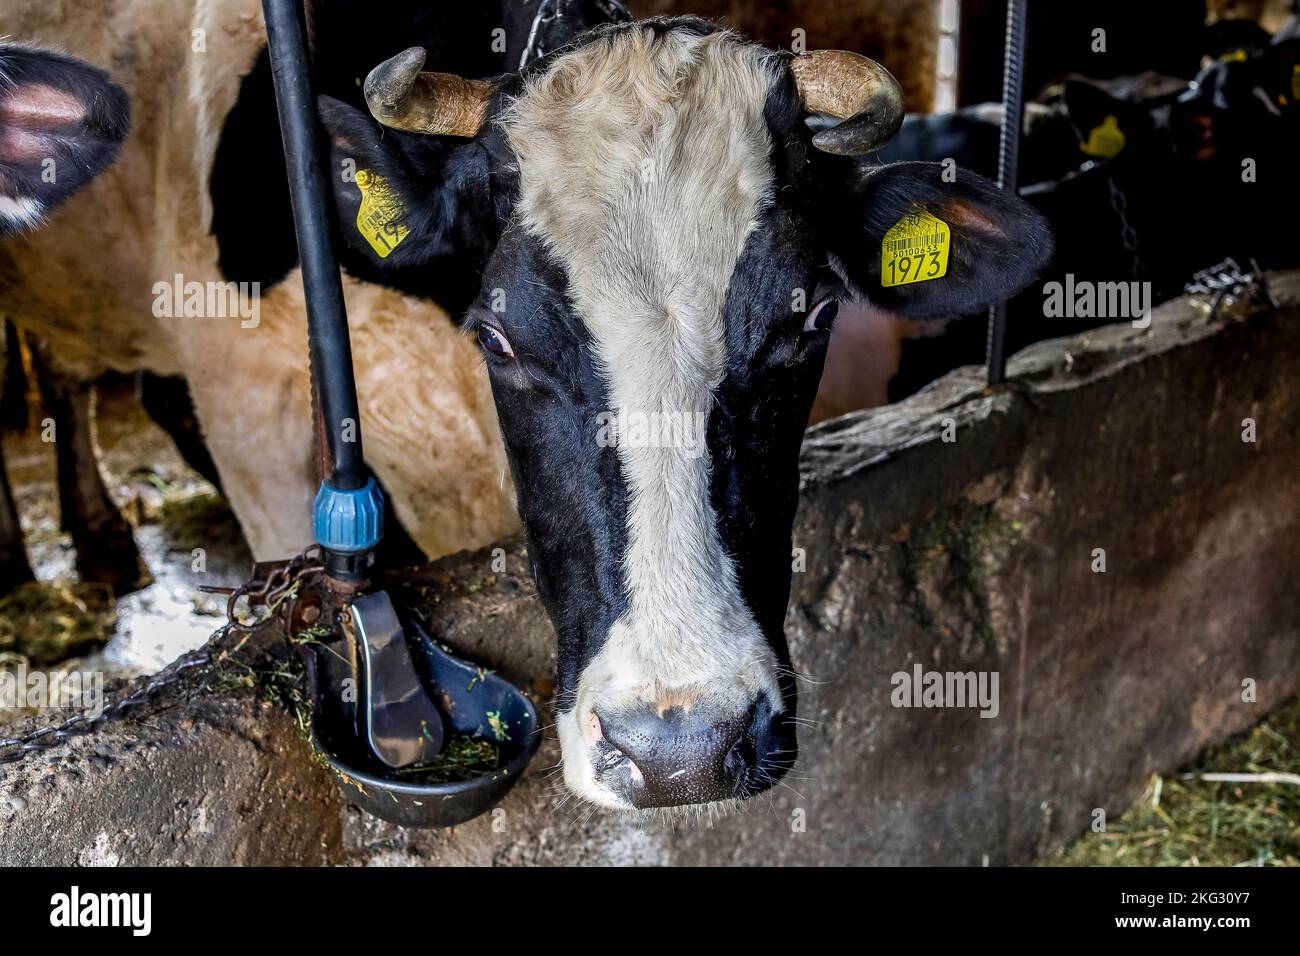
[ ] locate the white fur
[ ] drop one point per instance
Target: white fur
(20, 212)
(644, 163)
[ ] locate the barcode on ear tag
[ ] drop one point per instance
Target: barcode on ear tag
(380, 218)
(915, 250)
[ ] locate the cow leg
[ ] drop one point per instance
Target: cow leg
(166, 399)
(14, 566)
(255, 414)
(13, 390)
(106, 550)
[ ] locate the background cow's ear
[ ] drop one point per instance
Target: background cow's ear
(404, 199)
(62, 122)
(1104, 123)
(996, 244)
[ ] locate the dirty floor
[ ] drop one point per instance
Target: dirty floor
(173, 511)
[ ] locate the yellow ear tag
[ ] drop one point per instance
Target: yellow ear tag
(1106, 141)
(1234, 56)
(915, 250)
(380, 218)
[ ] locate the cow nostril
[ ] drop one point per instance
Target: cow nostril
(741, 760)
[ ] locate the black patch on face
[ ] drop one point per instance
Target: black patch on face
(774, 367)
(572, 497)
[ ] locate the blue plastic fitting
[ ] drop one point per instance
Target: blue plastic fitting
(348, 521)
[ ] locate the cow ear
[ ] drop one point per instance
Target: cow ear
(1103, 123)
(62, 122)
(404, 199)
(921, 247)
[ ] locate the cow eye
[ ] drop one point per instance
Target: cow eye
(494, 342)
(822, 316)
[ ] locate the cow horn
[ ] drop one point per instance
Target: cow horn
(852, 88)
(440, 104)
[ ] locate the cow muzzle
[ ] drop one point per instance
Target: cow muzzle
(638, 739)
(680, 757)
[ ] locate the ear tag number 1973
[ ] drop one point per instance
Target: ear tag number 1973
(915, 250)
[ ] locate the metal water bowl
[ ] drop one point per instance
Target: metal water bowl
(473, 703)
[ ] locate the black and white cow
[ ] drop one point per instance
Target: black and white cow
(62, 122)
(649, 211)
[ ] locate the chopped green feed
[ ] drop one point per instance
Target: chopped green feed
(1183, 820)
(462, 758)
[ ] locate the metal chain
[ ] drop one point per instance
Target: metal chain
(1227, 281)
(1128, 235)
(616, 10)
(14, 749)
(546, 15)
(552, 11)
(274, 594)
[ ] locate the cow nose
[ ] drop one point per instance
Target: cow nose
(679, 756)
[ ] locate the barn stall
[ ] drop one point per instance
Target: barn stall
(958, 528)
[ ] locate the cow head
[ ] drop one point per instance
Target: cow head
(61, 123)
(663, 246)
(1243, 102)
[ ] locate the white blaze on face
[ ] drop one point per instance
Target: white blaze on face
(644, 162)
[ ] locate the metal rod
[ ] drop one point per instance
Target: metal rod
(1013, 122)
(334, 386)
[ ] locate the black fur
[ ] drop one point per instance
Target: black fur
(572, 497)
(449, 215)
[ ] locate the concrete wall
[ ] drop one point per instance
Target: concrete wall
(968, 555)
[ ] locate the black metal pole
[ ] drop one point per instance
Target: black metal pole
(327, 321)
(1013, 122)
